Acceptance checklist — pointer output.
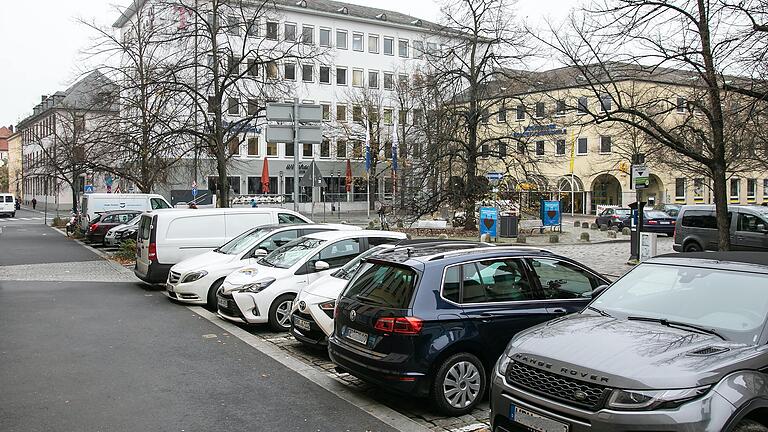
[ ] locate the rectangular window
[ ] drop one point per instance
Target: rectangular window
(211, 104)
(357, 77)
(234, 26)
(271, 30)
(325, 108)
(402, 80)
(539, 109)
(388, 116)
(271, 149)
(418, 117)
(520, 112)
(681, 103)
(389, 81)
(271, 68)
(522, 148)
(341, 112)
(605, 144)
(502, 115)
(373, 79)
(341, 149)
(583, 105)
(502, 149)
(289, 71)
(698, 187)
(307, 150)
(751, 188)
(539, 148)
(325, 75)
(234, 145)
(560, 107)
(341, 76)
(357, 41)
(605, 102)
(325, 149)
(253, 107)
(765, 188)
(389, 46)
(357, 149)
(307, 34)
(680, 188)
(560, 147)
(233, 106)
(325, 37)
(306, 73)
(253, 67)
(253, 146)
(402, 47)
(357, 113)
(341, 39)
(418, 49)
(373, 44)
(233, 65)
(289, 32)
(289, 149)
(581, 147)
(402, 117)
(253, 28)
(735, 188)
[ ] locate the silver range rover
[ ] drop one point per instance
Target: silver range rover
(677, 344)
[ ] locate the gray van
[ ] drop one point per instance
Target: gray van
(696, 228)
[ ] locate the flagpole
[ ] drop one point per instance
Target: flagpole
(573, 156)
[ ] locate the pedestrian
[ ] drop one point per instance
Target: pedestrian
(254, 204)
(34, 203)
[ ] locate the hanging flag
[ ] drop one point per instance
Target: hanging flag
(395, 144)
(265, 177)
(367, 148)
(349, 176)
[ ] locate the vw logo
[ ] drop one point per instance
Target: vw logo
(302, 305)
(579, 395)
(352, 315)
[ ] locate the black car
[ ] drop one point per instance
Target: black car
(431, 321)
(658, 222)
(619, 217)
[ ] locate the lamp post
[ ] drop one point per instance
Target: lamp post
(281, 189)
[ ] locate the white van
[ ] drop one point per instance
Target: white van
(94, 203)
(7, 205)
(169, 236)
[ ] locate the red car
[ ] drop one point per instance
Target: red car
(105, 221)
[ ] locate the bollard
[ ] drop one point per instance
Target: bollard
(626, 231)
(603, 227)
(611, 234)
(593, 226)
(576, 224)
(585, 225)
(554, 238)
(584, 237)
(521, 238)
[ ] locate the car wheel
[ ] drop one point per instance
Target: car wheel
(211, 302)
(280, 313)
(692, 247)
(459, 384)
(13, 215)
(748, 425)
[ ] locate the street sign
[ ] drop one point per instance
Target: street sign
(88, 188)
(284, 133)
(284, 112)
(494, 176)
(641, 176)
(489, 217)
(550, 213)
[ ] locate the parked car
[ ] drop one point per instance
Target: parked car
(120, 233)
(93, 204)
(196, 280)
(697, 228)
(103, 222)
(264, 292)
(169, 236)
(312, 313)
(7, 205)
(670, 209)
(619, 217)
(432, 321)
(677, 344)
(656, 221)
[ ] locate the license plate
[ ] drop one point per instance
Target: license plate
(169, 287)
(535, 422)
(222, 302)
(301, 323)
(664, 223)
(357, 336)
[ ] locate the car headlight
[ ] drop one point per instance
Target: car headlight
(653, 399)
(191, 277)
(503, 364)
(257, 286)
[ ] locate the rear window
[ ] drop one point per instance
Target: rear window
(145, 227)
(383, 285)
(623, 212)
(9, 199)
(656, 214)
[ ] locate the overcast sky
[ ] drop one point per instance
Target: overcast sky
(40, 41)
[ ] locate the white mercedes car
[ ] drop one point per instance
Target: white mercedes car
(263, 292)
(196, 280)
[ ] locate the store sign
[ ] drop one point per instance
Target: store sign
(540, 130)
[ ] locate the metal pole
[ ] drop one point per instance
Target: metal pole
(295, 155)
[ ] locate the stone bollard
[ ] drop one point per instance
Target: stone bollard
(584, 237)
(576, 224)
(614, 228)
(442, 236)
(409, 236)
(554, 238)
(371, 225)
(611, 234)
(593, 226)
(585, 225)
(521, 238)
(626, 231)
(603, 227)
(485, 238)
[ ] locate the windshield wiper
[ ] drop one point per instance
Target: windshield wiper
(265, 262)
(668, 323)
(600, 311)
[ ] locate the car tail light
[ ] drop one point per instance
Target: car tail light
(652, 222)
(152, 252)
(335, 311)
(615, 217)
(400, 325)
(93, 227)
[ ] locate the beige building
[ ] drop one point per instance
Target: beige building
(15, 173)
(550, 147)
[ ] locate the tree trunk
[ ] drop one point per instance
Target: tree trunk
(222, 197)
(74, 191)
(720, 191)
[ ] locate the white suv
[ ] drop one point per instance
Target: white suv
(196, 280)
(263, 292)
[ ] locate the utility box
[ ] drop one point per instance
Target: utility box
(507, 226)
(648, 245)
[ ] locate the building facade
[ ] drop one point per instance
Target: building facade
(15, 173)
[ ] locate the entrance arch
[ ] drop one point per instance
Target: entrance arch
(606, 190)
(570, 191)
(654, 194)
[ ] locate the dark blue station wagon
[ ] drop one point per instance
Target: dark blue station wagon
(431, 321)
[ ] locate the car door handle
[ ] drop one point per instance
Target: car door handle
(487, 317)
(559, 311)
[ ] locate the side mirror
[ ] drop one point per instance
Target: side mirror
(321, 265)
(595, 292)
(260, 253)
(761, 228)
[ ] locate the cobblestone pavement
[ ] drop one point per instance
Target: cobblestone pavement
(83, 271)
(607, 258)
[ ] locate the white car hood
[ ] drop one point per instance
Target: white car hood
(328, 287)
(203, 262)
(253, 273)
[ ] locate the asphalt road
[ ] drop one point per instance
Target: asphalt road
(94, 356)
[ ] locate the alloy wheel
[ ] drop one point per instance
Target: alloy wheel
(461, 385)
(283, 313)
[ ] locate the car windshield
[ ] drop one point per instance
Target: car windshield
(243, 241)
(351, 267)
(623, 212)
(134, 221)
(289, 254)
(732, 303)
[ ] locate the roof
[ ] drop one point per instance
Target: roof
(353, 11)
(431, 252)
(333, 235)
(710, 259)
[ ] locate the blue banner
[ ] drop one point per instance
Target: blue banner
(489, 217)
(550, 213)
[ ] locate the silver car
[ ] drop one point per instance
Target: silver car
(113, 238)
(677, 344)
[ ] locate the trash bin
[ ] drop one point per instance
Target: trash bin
(507, 226)
(648, 245)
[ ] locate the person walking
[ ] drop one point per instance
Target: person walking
(34, 203)
(254, 204)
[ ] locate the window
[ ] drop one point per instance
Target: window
(402, 80)
(234, 26)
(494, 281)
(272, 30)
(341, 149)
(306, 73)
(701, 219)
(357, 41)
(765, 188)
(562, 280)
(373, 44)
(484, 115)
(253, 146)
(233, 106)
(357, 113)
(539, 109)
(271, 69)
(339, 253)
(539, 148)
(307, 34)
(418, 49)
(750, 223)
(560, 107)
(341, 76)
(253, 67)
(389, 287)
(735, 188)
(253, 107)
(325, 149)
(234, 145)
(357, 149)
(698, 187)
(389, 81)
(357, 77)
(271, 149)
(418, 116)
(341, 39)
(389, 46)
(402, 47)
(402, 117)
(158, 203)
(289, 33)
(388, 116)
(279, 239)
(502, 115)
(373, 79)
(233, 66)
(520, 112)
(583, 105)
(581, 147)
(605, 144)
(211, 104)
(307, 150)
(522, 148)
(341, 112)
(680, 188)
(289, 71)
(502, 149)
(325, 37)
(560, 147)
(452, 284)
(605, 102)
(325, 75)
(253, 28)
(289, 150)
(681, 105)
(751, 188)
(326, 110)
(287, 218)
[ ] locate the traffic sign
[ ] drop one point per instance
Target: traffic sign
(88, 188)
(641, 176)
(284, 133)
(494, 176)
(284, 112)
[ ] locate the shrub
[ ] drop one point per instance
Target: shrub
(127, 250)
(58, 222)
